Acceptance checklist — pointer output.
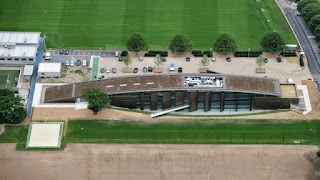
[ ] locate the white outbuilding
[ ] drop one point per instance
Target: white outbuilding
(49, 70)
(27, 72)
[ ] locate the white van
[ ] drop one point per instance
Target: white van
(47, 56)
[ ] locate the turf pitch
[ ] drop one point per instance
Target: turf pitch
(107, 23)
(8, 75)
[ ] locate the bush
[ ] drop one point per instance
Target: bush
(301, 62)
(318, 153)
(150, 55)
(208, 53)
(197, 53)
(154, 53)
(289, 54)
(246, 53)
(124, 53)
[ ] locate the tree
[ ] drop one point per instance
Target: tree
(317, 32)
(204, 61)
(98, 99)
(272, 42)
(137, 42)
(225, 43)
(309, 11)
(315, 21)
(158, 61)
(303, 3)
(180, 43)
(127, 60)
(12, 111)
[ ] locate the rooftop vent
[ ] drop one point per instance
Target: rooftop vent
(25, 40)
(24, 54)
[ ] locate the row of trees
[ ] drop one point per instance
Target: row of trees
(12, 111)
(310, 11)
(271, 42)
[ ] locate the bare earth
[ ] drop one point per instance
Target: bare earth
(232, 162)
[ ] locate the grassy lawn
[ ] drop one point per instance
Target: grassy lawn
(107, 24)
(194, 132)
(8, 75)
(14, 134)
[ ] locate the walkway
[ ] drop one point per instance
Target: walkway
(34, 76)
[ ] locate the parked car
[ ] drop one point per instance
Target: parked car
(163, 59)
(228, 59)
(150, 69)
(61, 52)
(120, 58)
(140, 58)
(116, 54)
(78, 62)
(102, 70)
(188, 59)
(67, 63)
(135, 70)
(66, 52)
(108, 70)
(279, 59)
(84, 63)
(72, 63)
(180, 70)
(114, 70)
(265, 60)
(145, 69)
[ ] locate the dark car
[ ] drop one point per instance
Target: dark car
(163, 59)
(228, 59)
(78, 62)
(180, 70)
(61, 52)
(102, 70)
(135, 70)
(66, 52)
(279, 59)
(145, 69)
(265, 60)
(188, 59)
(114, 70)
(150, 69)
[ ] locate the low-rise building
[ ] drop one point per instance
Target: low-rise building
(27, 72)
(49, 70)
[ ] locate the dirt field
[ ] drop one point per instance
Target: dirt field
(216, 162)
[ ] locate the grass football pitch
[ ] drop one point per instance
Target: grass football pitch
(194, 132)
(8, 75)
(107, 23)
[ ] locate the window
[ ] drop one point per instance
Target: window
(23, 59)
(2, 59)
(30, 59)
(9, 59)
(43, 74)
(17, 59)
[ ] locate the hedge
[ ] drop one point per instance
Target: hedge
(289, 54)
(247, 53)
(124, 53)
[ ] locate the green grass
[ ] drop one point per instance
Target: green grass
(14, 134)
(94, 72)
(194, 132)
(10, 75)
(107, 24)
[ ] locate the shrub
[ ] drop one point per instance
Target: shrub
(289, 54)
(247, 53)
(124, 53)
(208, 53)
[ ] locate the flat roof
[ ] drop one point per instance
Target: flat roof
(45, 135)
(49, 67)
(28, 70)
(16, 38)
(288, 91)
(166, 82)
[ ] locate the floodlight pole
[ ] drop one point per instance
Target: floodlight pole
(248, 52)
(211, 52)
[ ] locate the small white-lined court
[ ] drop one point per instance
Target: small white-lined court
(45, 135)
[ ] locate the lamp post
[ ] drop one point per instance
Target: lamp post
(248, 52)
(211, 52)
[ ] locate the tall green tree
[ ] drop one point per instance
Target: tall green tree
(97, 99)
(12, 111)
(204, 61)
(137, 42)
(158, 61)
(225, 43)
(272, 42)
(303, 3)
(309, 11)
(127, 60)
(314, 22)
(317, 32)
(180, 43)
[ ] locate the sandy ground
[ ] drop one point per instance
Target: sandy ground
(216, 162)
